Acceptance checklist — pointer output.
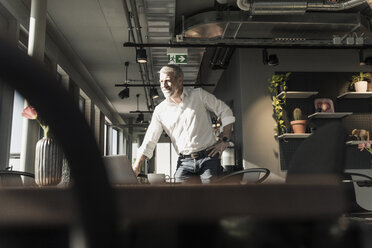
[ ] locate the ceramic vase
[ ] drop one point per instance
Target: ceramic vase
(361, 86)
(48, 162)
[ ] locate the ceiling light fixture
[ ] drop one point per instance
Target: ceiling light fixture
(141, 56)
(140, 118)
(271, 60)
(154, 93)
(124, 93)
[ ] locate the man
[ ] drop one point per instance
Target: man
(184, 116)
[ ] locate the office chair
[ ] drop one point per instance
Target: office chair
(321, 156)
(251, 175)
(13, 178)
(353, 208)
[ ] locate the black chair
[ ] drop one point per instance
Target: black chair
(321, 157)
(13, 178)
(251, 175)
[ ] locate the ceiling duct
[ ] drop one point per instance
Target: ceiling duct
(236, 26)
(369, 3)
(266, 7)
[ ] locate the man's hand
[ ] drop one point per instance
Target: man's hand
(217, 148)
(135, 169)
(137, 165)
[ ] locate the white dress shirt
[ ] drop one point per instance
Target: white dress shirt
(188, 124)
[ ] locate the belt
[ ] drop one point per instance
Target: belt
(196, 155)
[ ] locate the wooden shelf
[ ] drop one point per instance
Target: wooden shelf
(297, 94)
(294, 135)
(329, 115)
(354, 142)
(355, 95)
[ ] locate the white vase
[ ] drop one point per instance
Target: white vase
(361, 86)
(48, 162)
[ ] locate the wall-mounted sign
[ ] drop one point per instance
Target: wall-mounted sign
(177, 55)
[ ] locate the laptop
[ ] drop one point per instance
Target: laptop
(119, 170)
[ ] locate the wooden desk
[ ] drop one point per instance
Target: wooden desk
(46, 206)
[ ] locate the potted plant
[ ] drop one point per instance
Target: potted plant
(360, 81)
(278, 83)
(298, 123)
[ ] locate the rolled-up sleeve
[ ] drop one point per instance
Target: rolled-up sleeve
(218, 107)
(151, 138)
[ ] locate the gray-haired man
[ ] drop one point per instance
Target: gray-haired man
(184, 116)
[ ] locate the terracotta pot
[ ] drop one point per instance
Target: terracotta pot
(299, 126)
(48, 162)
(361, 86)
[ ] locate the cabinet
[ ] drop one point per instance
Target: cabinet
(353, 110)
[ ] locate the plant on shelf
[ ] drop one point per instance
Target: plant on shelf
(298, 123)
(365, 145)
(360, 81)
(278, 83)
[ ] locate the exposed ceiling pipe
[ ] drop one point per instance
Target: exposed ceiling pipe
(139, 37)
(267, 7)
(127, 16)
(334, 6)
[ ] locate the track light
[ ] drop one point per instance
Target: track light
(271, 60)
(154, 93)
(140, 118)
(141, 56)
(124, 93)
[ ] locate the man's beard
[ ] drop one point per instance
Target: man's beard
(167, 93)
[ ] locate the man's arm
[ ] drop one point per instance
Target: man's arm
(137, 165)
(152, 136)
(221, 145)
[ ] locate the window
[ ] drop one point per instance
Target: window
(16, 136)
(86, 106)
(82, 104)
(23, 39)
(114, 142)
(134, 152)
(166, 159)
(105, 139)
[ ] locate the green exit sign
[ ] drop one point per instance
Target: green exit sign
(177, 58)
(177, 55)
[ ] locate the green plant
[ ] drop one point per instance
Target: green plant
(278, 82)
(362, 76)
(297, 114)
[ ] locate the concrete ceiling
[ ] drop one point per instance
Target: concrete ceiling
(97, 29)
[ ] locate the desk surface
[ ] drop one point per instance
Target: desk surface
(45, 206)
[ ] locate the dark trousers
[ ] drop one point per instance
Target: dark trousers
(194, 170)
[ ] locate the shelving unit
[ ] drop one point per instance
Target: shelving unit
(294, 136)
(297, 94)
(329, 115)
(355, 95)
